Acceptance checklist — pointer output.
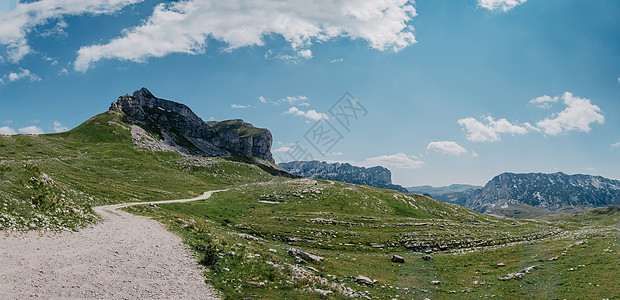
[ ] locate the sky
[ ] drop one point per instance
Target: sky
(438, 91)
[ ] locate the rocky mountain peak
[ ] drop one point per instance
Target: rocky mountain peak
(180, 129)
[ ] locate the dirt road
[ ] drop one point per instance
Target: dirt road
(124, 257)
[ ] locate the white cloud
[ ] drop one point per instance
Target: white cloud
(306, 53)
(544, 101)
(293, 100)
(478, 132)
(474, 154)
(20, 22)
(262, 99)
(240, 106)
(64, 71)
(6, 130)
(577, 116)
(504, 5)
(184, 26)
(22, 74)
(283, 149)
(58, 127)
(337, 153)
(503, 126)
(446, 147)
(336, 60)
(398, 160)
(31, 130)
(616, 145)
(311, 114)
(489, 132)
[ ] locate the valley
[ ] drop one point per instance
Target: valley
(271, 235)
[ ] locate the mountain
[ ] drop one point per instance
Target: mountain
(531, 194)
(269, 237)
(454, 193)
(177, 128)
(376, 176)
(547, 191)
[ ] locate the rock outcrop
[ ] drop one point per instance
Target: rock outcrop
(379, 177)
(547, 192)
(182, 130)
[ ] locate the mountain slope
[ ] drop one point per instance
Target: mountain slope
(51, 181)
(181, 130)
(548, 191)
(379, 177)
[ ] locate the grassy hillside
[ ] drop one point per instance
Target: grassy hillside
(51, 181)
(243, 236)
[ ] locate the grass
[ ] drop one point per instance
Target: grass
(357, 229)
(242, 236)
(95, 164)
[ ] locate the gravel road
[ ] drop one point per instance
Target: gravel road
(124, 257)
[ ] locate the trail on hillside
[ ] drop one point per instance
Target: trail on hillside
(124, 257)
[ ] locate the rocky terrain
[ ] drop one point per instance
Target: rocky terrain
(379, 177)
(549, 192)
(168, 125)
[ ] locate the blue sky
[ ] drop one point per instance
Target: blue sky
(452, 91)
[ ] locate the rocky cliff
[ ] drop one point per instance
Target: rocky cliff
(376, 176)
(547, 191)
(179, 129)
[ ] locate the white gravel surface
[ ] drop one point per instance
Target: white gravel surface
(124, 257)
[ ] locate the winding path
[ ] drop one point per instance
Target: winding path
(124, 257)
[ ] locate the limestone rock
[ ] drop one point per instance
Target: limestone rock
(398, 259)
(177, 125)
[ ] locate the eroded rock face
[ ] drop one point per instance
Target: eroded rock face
(175, 123)
(376, 176)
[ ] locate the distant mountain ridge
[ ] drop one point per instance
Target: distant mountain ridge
(546, 191)
(453, 188)
(379, 177)
(512, 192)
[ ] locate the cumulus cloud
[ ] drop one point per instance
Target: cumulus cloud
(6, 130)
(31, 130)
(20, 22)
(398, 160)
(544, 101)
(240, 106)
(184, 26)
(446, 147)
(478, 132)
(58, 127)
(22, 74)
(504, 5)
(577, 116)
(310, 114)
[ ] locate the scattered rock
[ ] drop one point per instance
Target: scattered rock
(365, 280)
(553, 258)
(435, 282)
(305, 255)
(248, 237)
(427, 257)
(273, 250)
(512, 276)
(501, 264)
(398, 259)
